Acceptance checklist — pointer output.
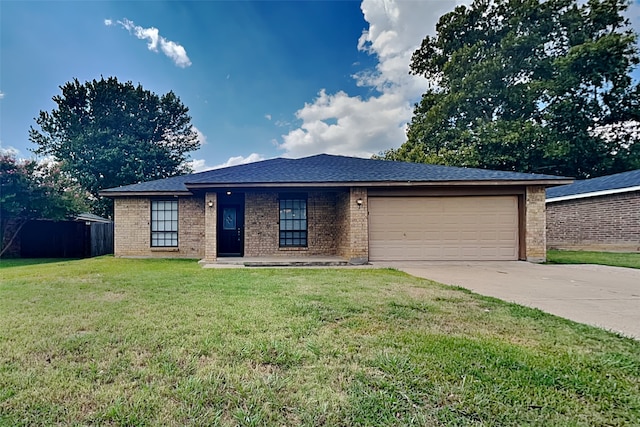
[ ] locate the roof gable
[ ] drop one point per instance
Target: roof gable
(620, 182)
(328, 169)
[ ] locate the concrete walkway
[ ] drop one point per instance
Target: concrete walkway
(310, 261)
(608, 297)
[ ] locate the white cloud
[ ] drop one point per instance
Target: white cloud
(267, 116)
(200, 165)
(339, 123)
(48, 161)
(239, 160)
(173, 50)
(202, 138)
(10, 151)
(1, 94)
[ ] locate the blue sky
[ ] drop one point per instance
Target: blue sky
(261, 79)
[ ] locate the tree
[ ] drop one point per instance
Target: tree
(106, 134)
(29, 190)
(528, 85)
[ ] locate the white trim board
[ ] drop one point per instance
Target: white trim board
(593, 194)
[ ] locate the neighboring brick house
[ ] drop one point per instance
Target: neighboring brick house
(324, 205)
(601, 214)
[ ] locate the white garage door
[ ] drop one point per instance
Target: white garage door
(443, 228)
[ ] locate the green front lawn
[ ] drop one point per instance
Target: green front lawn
(21, 262)
(157, 342)
(631, 260)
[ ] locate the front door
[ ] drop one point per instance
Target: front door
(231, 229)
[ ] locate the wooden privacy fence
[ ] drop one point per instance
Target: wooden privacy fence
(101, 238)
(66, 239)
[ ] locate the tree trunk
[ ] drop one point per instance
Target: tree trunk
(13, 236)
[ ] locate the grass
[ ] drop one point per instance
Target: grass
(155, 342)
(616, 259)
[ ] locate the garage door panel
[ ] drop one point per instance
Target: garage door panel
(431, 235)
(395, 252)
(472, 235)
(443, 228)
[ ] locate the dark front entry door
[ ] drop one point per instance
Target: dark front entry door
(231, 230)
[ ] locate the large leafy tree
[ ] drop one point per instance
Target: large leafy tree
(31, 190)
(528, 85)
(106, 133)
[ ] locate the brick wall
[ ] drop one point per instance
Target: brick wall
(133, 230)
(343, 225)
(596, 223)
(535, 224)
(197, 226)
(359, 223)
(338, 226)
(321, 214)
(262, 215)
(261, 224)
(352, 226)
(191, 211)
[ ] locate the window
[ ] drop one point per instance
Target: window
(164, 223)
(293, 222)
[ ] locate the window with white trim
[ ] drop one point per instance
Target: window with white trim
(293, 222)
(164, 223)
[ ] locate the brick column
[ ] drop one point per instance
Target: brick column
(358, 227)
(210, 224)
(535, 223)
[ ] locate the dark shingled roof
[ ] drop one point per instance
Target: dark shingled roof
(325, 168)
(604, 183)
(167, 185)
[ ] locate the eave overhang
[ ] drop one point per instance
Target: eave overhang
(144, 193)
(593, 194)
(546, 183)
(369, 184)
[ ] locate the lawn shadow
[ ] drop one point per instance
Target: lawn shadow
(20, 262)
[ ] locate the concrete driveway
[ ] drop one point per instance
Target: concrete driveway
(608, 297)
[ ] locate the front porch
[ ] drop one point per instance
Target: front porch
(300, 226)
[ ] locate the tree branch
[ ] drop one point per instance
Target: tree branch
(15, 234)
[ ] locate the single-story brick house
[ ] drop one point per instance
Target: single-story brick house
(601, 214)
(325, 205)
